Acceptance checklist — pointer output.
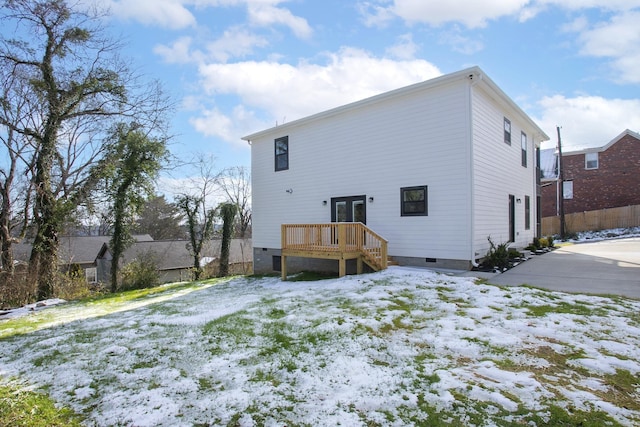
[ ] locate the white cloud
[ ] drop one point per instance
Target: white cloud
(471, 14)
(474, 14)
(231, 127)
(235, 42)
(170, 14)
(179, 52)
(308, 88)
(587, 121)
(174, 14)
(266, 14)
(405, 48)
(460, 43)
(619, 5)
(617, 39)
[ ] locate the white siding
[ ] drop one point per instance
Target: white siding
(420, 138)
(498, 172)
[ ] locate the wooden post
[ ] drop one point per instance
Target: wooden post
(283, 267)
(283, 246)
(342, 269)
(359, 265)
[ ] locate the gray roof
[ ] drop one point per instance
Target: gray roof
(174, 254)
(74, 249)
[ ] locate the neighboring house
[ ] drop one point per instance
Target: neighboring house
(435, 168)
(595, 178)
(75, 251)
(172, 257)
(174, 262)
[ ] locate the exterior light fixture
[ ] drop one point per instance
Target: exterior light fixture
(371, 199)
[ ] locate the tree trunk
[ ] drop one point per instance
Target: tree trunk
(228, 215)
(43, 264)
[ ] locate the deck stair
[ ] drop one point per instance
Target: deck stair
(335, 240)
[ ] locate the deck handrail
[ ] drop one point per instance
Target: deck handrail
(339, 237)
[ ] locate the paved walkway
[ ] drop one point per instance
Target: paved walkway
(607, 267)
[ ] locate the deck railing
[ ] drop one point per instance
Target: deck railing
(331, 240)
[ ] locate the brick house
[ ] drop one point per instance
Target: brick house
(595, 178)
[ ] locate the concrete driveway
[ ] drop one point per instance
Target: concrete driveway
(607, 267)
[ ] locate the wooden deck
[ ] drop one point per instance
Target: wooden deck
(336, 240)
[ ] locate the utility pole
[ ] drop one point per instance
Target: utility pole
(560, 186)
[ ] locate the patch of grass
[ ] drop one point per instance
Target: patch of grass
(95, 306)
(20, 408)
(623, 386)
(565, 308)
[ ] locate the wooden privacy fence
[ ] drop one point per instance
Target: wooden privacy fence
(336, 240)
(604, 219)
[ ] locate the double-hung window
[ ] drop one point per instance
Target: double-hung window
(413, 201)
(591, 161)
(507, 131)
(523, 144)
(282, 153)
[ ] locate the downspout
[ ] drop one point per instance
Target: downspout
(474, 78)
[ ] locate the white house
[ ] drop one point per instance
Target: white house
(436, 168)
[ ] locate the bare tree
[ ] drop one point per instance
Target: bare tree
(77, 86)
(196, 205)
(236, 184)
(17, 161)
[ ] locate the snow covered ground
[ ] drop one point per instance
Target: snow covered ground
(399, 347)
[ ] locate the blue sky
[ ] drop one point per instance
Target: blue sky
(239, 66)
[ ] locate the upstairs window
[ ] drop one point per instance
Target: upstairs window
(413, 201)
(507, 131)
(591, 161)
(523, 144)
(282, 153)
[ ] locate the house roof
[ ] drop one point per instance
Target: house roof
(174, 254)
(74, 249)
(474, 74)
(604, 147)
(548, 156)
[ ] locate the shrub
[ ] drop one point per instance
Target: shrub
(498, 255)
(544, 242)
(140, 273)
(16, 289)
(514, 253)
(550, 240)
(71, 286)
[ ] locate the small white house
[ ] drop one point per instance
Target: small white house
(436, 168)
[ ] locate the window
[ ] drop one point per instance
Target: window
(282, 153)
(507, 131)
(567, 189)
(591, 161)
(523, 144)
(527, 213)
(413, 201)
(91, 274)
